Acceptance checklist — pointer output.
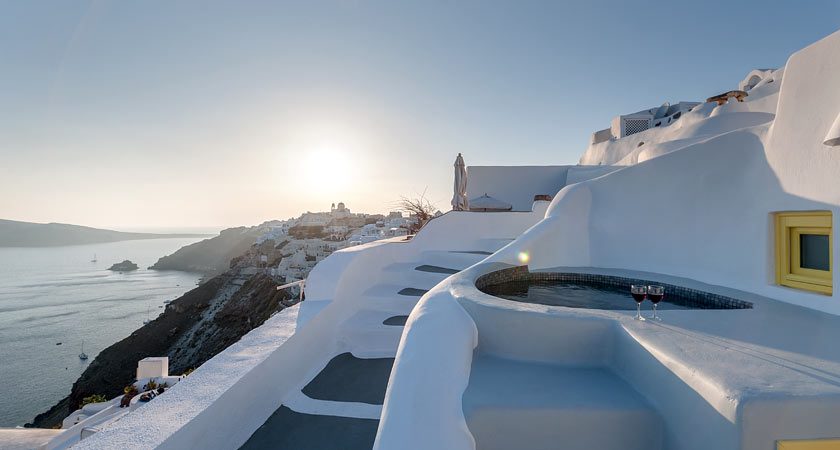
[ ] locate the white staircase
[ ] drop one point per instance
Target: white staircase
(340, 407)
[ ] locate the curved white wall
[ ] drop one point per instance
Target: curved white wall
(705, 212)
(423, 407)
(809, 102)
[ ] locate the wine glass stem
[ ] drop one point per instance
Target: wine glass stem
(638, 310)
(654, 311)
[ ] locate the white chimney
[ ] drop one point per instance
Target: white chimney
(153, 367)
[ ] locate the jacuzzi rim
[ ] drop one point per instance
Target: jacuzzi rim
(697, 299)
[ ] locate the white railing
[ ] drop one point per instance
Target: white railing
(300, 283)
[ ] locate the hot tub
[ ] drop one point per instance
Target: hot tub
(592, 291)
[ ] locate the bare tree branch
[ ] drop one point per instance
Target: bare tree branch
(418, 208)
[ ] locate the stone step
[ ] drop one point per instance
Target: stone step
(472, 252)
(396, 321)
(412, 292)
(532, 406)
(300, 402)
(458, 260)
(339, 408)
(373, 331)
(347, 378)
(408, 274)
(436, 269)
(287, 429)
(395, 305)
(393, 291)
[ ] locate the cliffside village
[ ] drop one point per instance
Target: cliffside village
(289, 249)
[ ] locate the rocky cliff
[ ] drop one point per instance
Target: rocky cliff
(192, 329)
(211, 256)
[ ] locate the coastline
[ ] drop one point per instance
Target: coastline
(192, 329)
(17, 234)
(57, 294)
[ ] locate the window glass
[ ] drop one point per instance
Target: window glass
(814, 251)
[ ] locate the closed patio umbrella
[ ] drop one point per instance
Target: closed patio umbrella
(459, 199)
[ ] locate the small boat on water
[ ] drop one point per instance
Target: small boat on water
(83, 356)
(94, 258)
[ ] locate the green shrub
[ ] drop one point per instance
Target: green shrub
(95, 398)
(151, 385)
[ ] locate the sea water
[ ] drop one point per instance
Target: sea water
(58, 295)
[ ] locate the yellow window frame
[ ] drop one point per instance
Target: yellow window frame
(790, 226)
(809, 444)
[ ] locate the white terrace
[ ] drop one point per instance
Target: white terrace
(718, 201)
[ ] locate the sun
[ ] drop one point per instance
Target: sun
(323, 159)
(327, 170)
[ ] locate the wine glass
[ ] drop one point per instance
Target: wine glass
(638, 291)
(655, 293)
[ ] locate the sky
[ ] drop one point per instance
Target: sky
(200, 114)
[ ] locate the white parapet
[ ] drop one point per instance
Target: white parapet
(153, 367)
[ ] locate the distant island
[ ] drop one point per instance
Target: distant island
(125, 266)
(28, 234)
